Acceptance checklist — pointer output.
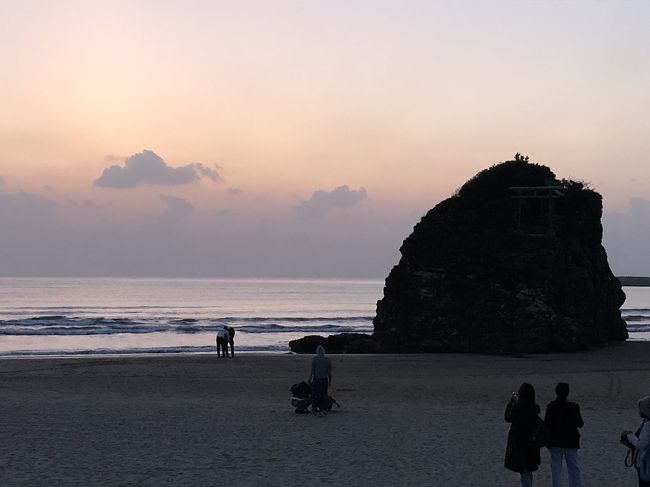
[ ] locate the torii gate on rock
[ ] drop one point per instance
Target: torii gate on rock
(548, 193)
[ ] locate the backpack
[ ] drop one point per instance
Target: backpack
(301, 390)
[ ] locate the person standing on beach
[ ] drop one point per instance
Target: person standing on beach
(231, 339)
(563, 419)
(522, 455)
(222, 342)
(321, 373)
(639, 442)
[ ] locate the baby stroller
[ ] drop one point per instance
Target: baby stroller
(301, 398)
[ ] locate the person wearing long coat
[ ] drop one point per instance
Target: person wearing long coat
(522, 455)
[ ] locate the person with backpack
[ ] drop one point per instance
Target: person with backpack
(639, 443)
(522, 451)
(562, 420)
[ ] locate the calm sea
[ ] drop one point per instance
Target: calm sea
(62, 316)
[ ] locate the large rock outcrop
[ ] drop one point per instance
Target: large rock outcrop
(481, 274)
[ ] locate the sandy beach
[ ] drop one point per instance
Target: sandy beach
(405, 419)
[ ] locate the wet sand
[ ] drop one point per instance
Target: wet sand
(405, 419)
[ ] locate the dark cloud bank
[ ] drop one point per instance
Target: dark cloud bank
(42, 237)
(147, 167)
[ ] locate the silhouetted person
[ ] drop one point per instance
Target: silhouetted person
(231, 339)
(639, 442)
(321, 373)
(522, 455)
(222, 342)
(563, 419)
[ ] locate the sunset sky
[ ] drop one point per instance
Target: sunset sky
(206, 138)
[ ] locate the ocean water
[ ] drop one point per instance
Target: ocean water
(636, 312)
(62, 316)
(65, 316)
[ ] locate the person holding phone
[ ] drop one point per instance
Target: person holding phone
(522, 454)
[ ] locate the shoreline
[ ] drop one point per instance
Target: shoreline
(110, 354)
(93, 355)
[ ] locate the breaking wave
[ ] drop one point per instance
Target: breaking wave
(76, 326)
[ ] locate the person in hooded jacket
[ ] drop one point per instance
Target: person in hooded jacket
(321, 373)
(563, 419)
(522, 455)
(639, 441)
